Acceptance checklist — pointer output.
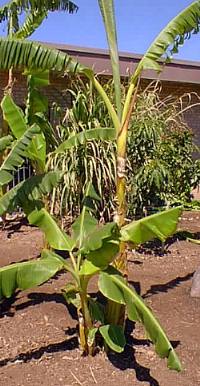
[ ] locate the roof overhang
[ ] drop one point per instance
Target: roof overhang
(98, 59)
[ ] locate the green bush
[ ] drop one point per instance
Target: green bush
(162, 169)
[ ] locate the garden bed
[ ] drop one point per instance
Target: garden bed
(38, 337)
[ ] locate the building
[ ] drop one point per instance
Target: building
(177, 78)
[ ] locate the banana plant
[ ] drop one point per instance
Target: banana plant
(32, 55)
(35, 13)
(36, 106)
(32, 132)
(166, 43)
(19, 142)
(93, 250)
(90, 251)
(18, 124)
(26, 141)
(29, 192)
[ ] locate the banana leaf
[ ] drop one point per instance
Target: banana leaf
(82, 226)
(17, 123)
(14, 116)
(114, 337)
(85, 223)
(172, 36)
(5, 142)
(114, 287)
(108, 14)
(157, 226)
(31, 23)
(100, 258)
(56, 238)
(28, 274)
(36, 9)
(31, 189)
(103, 134)
(20, 53)
(16, 155)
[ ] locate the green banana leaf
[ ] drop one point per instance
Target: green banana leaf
(95, 236)
(14, 116)
(14, 8)
(82, 226)
(114, 287)
(100, 246)
(31, 23)
(36, 101)
(173, 35)
(31, 189)
(71, 295)
(157, 226)
(17, 123)
(166, 44)
(113, 336)
(65, 265)
(36, 151)
(5, 142)
(16, 155)
(41, 120)
(28, 274)
(97, 310)
(56, 238)
(103, 134)
(20, 53)
(37, 78)
(100, 258)
(108, 14)
(85, 223)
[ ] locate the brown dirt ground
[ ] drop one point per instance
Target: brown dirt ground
(38, 340)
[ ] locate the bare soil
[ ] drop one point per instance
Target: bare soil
(38, 335)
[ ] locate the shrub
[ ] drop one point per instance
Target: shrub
(162, 169)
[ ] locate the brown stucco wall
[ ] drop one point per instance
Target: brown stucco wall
(56, 91)
(191, 115)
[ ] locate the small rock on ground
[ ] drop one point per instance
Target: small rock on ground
(195, 289)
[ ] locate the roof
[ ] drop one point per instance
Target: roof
(183, 71)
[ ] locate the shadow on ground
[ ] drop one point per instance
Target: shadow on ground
(66, 345)
(123, 361)
(8, 307)
(157, 288)
(127, 359)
